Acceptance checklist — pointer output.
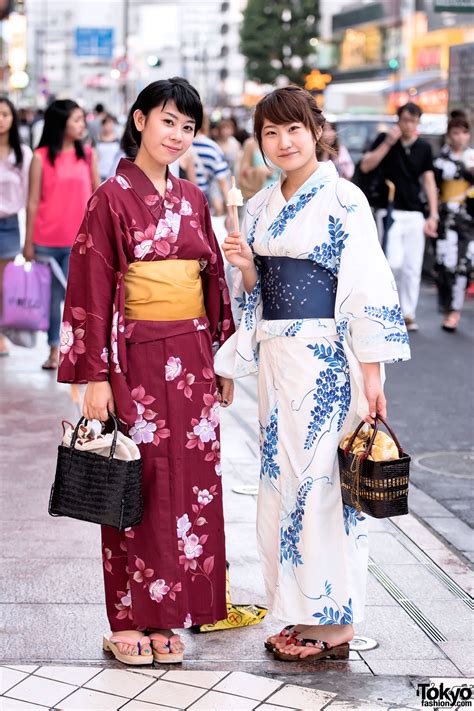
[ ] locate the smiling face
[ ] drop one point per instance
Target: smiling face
(166, 133)
(290, 146)
(75, 125)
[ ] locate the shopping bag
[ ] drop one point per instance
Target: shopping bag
(26, 296)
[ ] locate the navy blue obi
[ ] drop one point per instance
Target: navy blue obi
(296, 288)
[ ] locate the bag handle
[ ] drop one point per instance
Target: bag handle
(114, 440)
(375, 426)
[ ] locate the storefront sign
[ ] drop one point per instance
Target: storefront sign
(454, 6)
(461, 77)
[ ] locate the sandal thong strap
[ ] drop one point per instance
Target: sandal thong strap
(139, 643)
(318, 643)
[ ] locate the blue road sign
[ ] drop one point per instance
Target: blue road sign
(95, 42)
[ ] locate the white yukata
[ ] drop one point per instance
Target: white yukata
(313, 549)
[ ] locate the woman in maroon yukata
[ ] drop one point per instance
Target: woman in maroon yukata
(146, 306)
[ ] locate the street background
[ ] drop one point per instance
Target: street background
(361, 61)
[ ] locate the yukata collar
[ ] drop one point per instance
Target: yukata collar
(326, 172)
(142, 185)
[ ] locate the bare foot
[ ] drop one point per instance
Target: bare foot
(333, 635)
(176, 645)
(51, 363)
(132, 649)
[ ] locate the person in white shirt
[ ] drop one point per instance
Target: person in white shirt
(15, 159)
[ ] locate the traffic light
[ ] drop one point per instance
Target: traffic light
(394, 64)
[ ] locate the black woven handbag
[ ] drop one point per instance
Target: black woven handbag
(379, 489)
(94, 488)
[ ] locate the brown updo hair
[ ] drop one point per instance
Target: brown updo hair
(291, 104)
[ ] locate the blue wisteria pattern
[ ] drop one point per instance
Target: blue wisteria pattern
(290, 535)
(333, 391)
(289, 212)
(333, 614)
(328, 254)
(351, 517)
(250, 306)
(390, 314)
(398, 337)
(293, 329)
(269, 447)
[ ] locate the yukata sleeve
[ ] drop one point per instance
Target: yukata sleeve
(367, 309)
(239, 356)
(216, 293)
(87, 319)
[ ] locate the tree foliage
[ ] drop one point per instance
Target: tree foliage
(275, 39)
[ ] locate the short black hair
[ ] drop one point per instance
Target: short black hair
(99, 108)
(411, 108)
(54, 128)
(158, 93)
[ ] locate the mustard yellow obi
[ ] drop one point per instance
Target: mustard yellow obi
(168, 290)
(454, 190)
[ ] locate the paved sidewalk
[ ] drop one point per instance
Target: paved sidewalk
(419, 606)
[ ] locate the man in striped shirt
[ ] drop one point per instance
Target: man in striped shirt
(211, 166)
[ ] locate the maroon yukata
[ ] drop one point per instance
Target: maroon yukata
(169, 571)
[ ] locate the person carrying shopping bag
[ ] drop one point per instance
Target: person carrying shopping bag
(146, 306)
(321, 316)
(63, 174)
(15, 159)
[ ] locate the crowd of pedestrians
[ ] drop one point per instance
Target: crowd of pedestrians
(74, 152)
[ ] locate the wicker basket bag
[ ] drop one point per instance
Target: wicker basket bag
(378, 488)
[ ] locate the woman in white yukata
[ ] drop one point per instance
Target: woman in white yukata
(320, 315)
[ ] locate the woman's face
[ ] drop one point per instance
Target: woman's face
(166, 132)
(226, 130)
(329, 134)
(290, 146)
(6, 118)
(75, 125)
(459, 138)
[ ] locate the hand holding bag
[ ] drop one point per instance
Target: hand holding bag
(92, 483)
(378, 488)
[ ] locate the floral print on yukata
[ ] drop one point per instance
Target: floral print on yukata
(314, 550)
(162, 378)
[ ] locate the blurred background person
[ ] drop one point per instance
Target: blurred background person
(455, 244)
(26, 117)
(407, 161)
(229, 144)
(254, 174)
(107, 147)
(341, 157)
(94, 125)
(15, 159)
(212, 173)
(63, 175)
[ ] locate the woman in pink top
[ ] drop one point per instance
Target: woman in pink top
(15, 161)
(63, 175)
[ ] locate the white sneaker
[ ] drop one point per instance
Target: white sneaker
(411, 324)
